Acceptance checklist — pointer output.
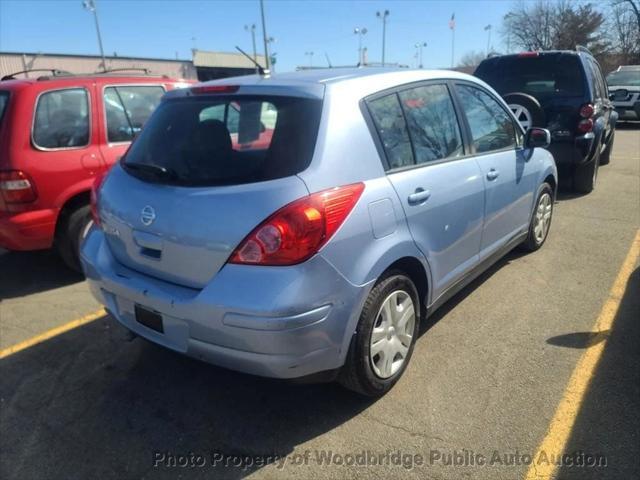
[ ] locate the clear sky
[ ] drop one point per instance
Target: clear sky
(164, 29)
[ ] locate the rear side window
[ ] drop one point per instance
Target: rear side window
(391, 126)
(432, 123)
(491, 127)
(4, 103)
(128, 108)
(226, 140)
(539, 76)
(62, 119)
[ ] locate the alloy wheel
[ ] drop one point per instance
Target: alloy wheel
(542, 218)
(522, 115)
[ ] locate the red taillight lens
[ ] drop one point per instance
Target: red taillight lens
(586, 111)
(529, 54)
(17, 187)
(585, 126)
(95, 189)
(297, 231)
(203, 89)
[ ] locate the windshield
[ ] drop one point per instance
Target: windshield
(4, 101)
(624, 79)
(225, 140)
(540, 76)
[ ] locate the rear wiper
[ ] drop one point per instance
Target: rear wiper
(149, 168)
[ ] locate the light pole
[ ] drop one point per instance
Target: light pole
(360, 31)
(419, 47)
(310, 55)
(252, 28)
(488, 30)
(90, 5)
(264, 36)
(383, 16)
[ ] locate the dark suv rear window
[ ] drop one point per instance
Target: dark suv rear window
(539, 76)
(4, 102)
(226, 140)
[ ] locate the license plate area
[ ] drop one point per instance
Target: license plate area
(149, 318)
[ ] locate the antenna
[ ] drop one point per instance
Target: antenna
(262, 71)
(328, 59)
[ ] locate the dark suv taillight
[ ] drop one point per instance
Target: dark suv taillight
(17, 187)
(586, 123)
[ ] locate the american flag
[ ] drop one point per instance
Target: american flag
(452, 22)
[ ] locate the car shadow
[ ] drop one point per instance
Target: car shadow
(608, 424)
(92, 403)
(24, 273)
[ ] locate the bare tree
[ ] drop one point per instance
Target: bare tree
(471, 59)
(624, 30)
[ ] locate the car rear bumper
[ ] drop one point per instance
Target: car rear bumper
(576, 151)
(282, 322)
(33, 230)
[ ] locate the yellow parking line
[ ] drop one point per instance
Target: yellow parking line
(564, 418)
(30, 342)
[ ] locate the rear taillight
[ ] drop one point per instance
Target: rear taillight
(297, 231)
(205, 89)
(586, 124)
(17, 187)
(95, 190)
(586, 111)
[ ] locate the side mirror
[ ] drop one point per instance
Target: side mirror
(537, 138)
(620, 94)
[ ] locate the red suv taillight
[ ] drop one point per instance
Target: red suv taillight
(586, 124)
(17, 187)
(95, 188)
(297, 231)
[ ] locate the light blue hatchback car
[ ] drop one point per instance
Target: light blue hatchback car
(304, 224)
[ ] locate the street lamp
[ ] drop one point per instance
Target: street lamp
(488, 30)
(310, 55)
(360, 31)
(252, 29)
(419, 47)
(383, 16)
(90, 5)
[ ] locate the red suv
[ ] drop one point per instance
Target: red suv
(57, 133)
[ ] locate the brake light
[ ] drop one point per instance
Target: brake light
(296, 232)
(17, 187)
(202, 89)
(587, 110)
(95, 190)
(585, 125)
(529, 54)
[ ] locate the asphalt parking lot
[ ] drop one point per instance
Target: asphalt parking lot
(487, 375)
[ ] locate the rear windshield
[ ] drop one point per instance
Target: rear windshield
(628, 78)
(4, 102)
(225, 140)
(540, 76)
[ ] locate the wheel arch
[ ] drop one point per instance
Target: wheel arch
(73, 203)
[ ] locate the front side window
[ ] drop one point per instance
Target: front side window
(62, 119)
(491, 127)
(389, 121)
(432, 123)
(128, 108)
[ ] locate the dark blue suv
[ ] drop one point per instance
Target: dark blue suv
(565, 92)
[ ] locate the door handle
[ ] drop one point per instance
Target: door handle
(419, 196)
(492, 174)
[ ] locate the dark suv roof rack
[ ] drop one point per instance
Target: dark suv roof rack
(580, 48)
(54, 71)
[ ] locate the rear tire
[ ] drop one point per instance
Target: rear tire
(365, 371)
(72, 231)
(605, 157)
(540, 219)
(585, 176)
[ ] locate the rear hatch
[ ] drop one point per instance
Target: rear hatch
(204, 172)
(555, 79)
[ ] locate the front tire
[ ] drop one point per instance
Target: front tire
(70, 235)
(540, 220)
(385, 337)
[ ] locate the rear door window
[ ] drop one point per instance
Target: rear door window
(491, 126)
(62, 119)
(390, 123)
(432, 123)
(127, 108)
(226, 140)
